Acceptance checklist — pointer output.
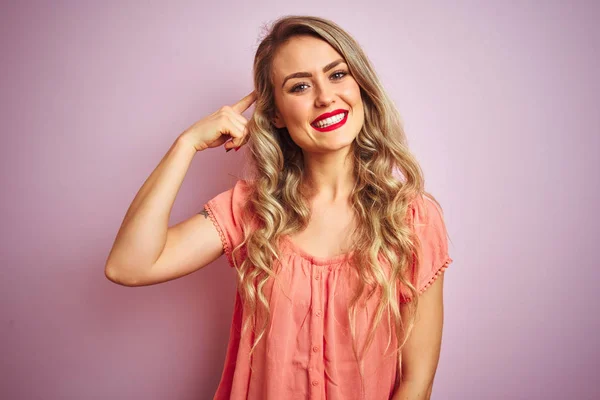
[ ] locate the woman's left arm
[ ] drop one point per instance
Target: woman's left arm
(421, 352)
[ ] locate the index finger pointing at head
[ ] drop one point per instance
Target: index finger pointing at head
(245, 103)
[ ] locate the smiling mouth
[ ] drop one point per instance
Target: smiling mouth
(331, 123)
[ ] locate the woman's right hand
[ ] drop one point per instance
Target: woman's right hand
(217, 128)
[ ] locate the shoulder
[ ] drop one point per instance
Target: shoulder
(426, 210)
(236, 196)
(428, 224)
(229, 206)
(241, 190)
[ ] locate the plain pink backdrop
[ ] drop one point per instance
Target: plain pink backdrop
(500, 104)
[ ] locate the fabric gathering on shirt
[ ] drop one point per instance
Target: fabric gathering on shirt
(307, 353)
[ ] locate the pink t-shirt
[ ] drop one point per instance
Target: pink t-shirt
(307, 353)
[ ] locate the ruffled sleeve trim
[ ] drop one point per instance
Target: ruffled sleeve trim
(210, 209)
(440, 271)
(426, 218)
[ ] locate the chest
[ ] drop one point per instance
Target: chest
(328, 233)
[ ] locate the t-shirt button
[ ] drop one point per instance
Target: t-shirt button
(315, 383)
(317, 277)
(315, 348)
(318, 313)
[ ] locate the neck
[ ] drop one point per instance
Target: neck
(329, 177)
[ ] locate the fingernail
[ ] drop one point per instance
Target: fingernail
(228, 150)
(237, 148)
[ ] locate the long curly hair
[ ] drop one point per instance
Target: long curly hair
(380, 198)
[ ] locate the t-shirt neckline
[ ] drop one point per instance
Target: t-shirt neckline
(297, 250)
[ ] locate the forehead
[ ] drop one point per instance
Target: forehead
(302, 54)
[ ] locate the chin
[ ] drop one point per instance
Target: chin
(339, 144)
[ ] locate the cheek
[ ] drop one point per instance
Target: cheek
(352, 94)
(298, 109)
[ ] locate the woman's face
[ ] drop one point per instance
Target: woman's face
(311, 82)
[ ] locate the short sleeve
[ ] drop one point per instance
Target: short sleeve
(225, 212)
(430, 228)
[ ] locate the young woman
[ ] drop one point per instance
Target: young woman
(339, 251)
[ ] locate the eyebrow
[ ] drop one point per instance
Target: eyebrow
(308, 74)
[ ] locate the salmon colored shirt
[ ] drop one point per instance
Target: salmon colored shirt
(307, 353)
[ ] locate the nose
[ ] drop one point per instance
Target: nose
(325, 95)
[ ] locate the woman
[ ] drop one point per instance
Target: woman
(339, 260)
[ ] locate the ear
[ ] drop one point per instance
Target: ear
(278, 121)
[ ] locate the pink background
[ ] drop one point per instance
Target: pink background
(500, 103)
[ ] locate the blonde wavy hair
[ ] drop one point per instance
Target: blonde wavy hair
(381, 201)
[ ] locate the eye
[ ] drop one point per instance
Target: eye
(296, 88)
(339, 74)
(336, 76)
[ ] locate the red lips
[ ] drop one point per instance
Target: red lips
(327, 115)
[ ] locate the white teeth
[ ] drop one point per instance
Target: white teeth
(330, 121)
